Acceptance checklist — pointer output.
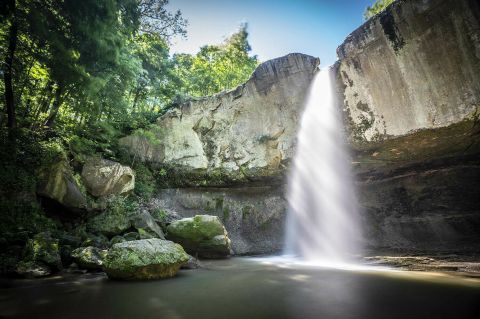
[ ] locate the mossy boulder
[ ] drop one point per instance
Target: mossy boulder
(89, 257)
(44, 249)
(202, 235)
(32, 269)
(144, 259)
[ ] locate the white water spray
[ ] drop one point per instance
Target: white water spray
(322, 222)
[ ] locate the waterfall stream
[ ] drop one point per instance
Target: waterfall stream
(322, 221)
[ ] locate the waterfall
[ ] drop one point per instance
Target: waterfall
(322, 221)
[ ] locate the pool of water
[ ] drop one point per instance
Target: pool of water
(248, 288)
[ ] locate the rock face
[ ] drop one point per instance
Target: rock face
(144, 259)
(57, 184)
(410, 83)
(202, 235)
(414, 66)
(254, 216)
(236, 136)
(103, 177)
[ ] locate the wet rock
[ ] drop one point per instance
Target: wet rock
(202, 235)
(146, 225)
(192, 263)
(32, 269)
(144, 259)
(103, 177)
(89, 257)
(44, 249)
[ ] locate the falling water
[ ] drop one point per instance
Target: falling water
(322, 222)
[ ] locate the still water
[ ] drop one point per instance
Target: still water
(247, 288)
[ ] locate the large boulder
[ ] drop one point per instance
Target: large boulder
(104, 177)
(144, 259)
(89, 257)
(202, 235)
(42, 248)
(57, 183)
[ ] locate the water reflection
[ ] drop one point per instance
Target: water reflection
(248, 288)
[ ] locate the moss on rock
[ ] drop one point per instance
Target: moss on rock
(202, 235)
(144, 259)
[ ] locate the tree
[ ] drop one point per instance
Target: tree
(377, 7)
(217, 67)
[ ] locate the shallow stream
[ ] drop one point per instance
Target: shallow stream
(248, 288)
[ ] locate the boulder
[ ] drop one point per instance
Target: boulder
(104, 177)
(57, 183)
(146, 226)
(89, 257)
(144, 259)
(202, 235)
(32, 269)
(44, 249)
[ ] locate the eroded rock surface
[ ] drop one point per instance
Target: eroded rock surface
(104, 177)
(414, 66)
(236, 136)
(409, 80)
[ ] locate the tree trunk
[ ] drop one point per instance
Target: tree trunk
(8, 71)
(55, 107)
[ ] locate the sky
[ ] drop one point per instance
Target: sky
(276, 27)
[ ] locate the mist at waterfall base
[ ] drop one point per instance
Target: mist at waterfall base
(323, 222)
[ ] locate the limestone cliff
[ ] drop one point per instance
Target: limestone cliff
(414, 66)
(236, 136)
(409, 80)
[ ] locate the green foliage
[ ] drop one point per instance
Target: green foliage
(216, 67)
(377, 7)
(145, 183)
